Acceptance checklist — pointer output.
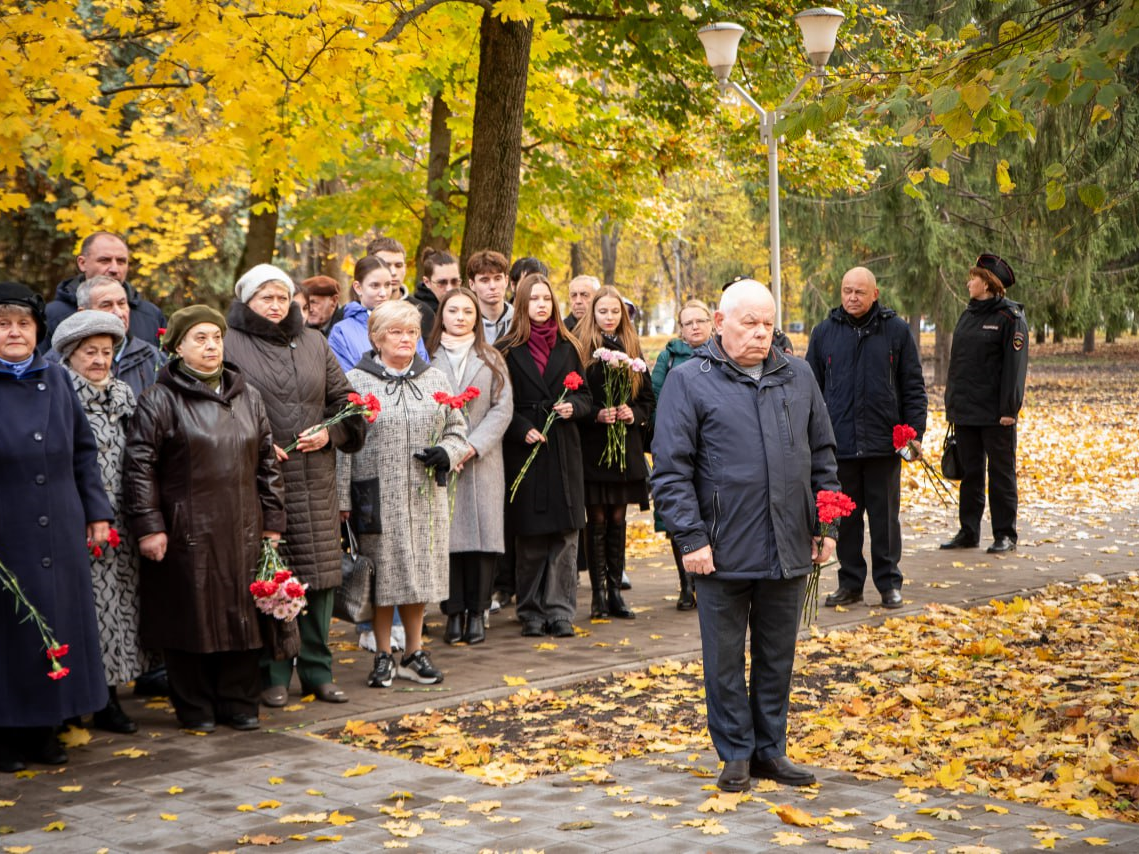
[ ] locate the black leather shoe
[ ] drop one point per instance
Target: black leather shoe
(961, 541)
(10, 761)
(1001, 545)
(153, 684)
(243, 723)
(781, 770)
(114, 719)
(734, 777)
(454, 631)
(198, 726)
(561, 629)
(892, 599)
(533, 629)
(843, 596)
(476, 629)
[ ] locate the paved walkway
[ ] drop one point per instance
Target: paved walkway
(182, 793)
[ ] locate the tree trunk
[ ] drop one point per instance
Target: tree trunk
(577, 259)
(942, 346)
(1089, 339)
(915, 329)
(1057, 336)
(496, 137)
(609, 238)
(261, 236)
(1041, 334)
(438, 180)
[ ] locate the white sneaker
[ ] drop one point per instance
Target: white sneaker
(399, 638)
(367, 640)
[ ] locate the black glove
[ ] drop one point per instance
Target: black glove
(435, 457)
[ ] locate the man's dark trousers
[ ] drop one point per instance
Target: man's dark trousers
(874, 484)
(996, 444)
(744, 722)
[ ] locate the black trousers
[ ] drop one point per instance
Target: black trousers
(874, 483)
(547, 577)
(472, 574)
(212, 686)
(997, 446)
(504, 569)
(748, 717)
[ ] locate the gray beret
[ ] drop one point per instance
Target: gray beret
(78, 327)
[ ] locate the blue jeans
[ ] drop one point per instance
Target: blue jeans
(748, 720)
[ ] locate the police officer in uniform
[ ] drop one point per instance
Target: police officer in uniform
(983, 394)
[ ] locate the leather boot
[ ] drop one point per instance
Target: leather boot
(595, 556)
(454, 631)
(687, 600)
(112, 718)
(614, 569)
(476, 629)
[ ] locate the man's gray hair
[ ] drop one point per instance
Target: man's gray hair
(592, 281)
(83, 292)
(739, 291)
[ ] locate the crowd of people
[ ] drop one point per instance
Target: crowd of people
(153, 461)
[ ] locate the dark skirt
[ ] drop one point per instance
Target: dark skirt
(627, 492)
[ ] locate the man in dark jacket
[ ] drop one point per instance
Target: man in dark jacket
(136, 363)
(869, 369)
(106, 254)
(742, 446)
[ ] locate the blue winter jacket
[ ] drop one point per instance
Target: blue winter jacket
(871, 379)
(711, 420)
(349, 338)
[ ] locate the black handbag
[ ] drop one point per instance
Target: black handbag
(281, 638)
(353, 598)
(951, 457)
(365, 517)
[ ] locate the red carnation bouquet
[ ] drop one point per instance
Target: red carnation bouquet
(450, 401)
(830, 506)
(275, 591)
(55, 650)
(368, 406)
(113, 542)
(572, 382)
(905, 438)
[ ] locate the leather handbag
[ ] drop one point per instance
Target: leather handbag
(353, 599)
(951, 466)
(281, 638)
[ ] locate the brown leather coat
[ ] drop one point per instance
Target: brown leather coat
(200, 467)
(302, 385)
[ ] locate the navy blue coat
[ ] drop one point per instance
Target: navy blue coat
(871, 379)
(50, 491)
(711, 420)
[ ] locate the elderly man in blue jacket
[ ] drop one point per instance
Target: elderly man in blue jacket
(742, 446)
(869, 369)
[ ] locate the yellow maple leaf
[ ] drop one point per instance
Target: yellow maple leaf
(793, 815)
(911, 835)
(276, 781)
(483, 806)
(246, 808)
(132, 753)
(175, 790)
(292, 707)
(7, 803)
(304, 818)
(359, 771)
(515, 681)
(994, 808)
(75, 737)
(338, 818)
(848, 843)
(168, 816)
(403, 829)
(18, 849)
(71, 788)
(1096, 840)
(395, 843)
(328, 837)
(721, 803)
(455, 822)
(55, 825)
(268, 805)
(941, 813)
(316, 793)
(788, 837)
(891, 822)
(950, 775)
(545, 647)
(452, 799)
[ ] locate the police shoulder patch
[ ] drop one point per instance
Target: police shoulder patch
(1018, 341)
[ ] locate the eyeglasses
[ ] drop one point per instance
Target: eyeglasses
(447, 283)
(701, 321)
(402, 333)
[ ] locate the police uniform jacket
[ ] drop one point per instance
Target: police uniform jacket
(988, 364)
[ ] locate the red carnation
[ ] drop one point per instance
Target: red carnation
(58, 674)
(457, 402)
(442, 397)
(58, 651)
(833, 505)
(471, 392)
(282, 576)
(113, 538)
(355, 399)
(161, 331)
(573, 381)
(903, 435)
(96, 551)
(294, 590)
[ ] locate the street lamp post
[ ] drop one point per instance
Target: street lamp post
(819, 28)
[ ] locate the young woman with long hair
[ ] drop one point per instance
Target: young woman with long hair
(611, 486)
(549, 508)
(458, 349)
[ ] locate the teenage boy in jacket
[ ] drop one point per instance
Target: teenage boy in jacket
(742, 446)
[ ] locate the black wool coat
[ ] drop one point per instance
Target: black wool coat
(551, 498)
(595, 435)
(302, 385)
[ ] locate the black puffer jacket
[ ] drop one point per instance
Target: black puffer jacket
(870, 376)
(988, 364)
(302, 385)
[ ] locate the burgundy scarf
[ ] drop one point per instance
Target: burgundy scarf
(542, 341)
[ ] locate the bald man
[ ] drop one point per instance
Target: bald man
(869, 369)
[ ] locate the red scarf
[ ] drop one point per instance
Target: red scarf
(542, 340)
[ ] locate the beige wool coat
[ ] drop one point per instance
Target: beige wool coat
(411, 552)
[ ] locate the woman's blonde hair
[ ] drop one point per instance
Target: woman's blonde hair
(589, 333)
(693, 303)
(388, 314)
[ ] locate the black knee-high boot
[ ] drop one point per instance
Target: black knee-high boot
(595, 557)
(614, 568)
